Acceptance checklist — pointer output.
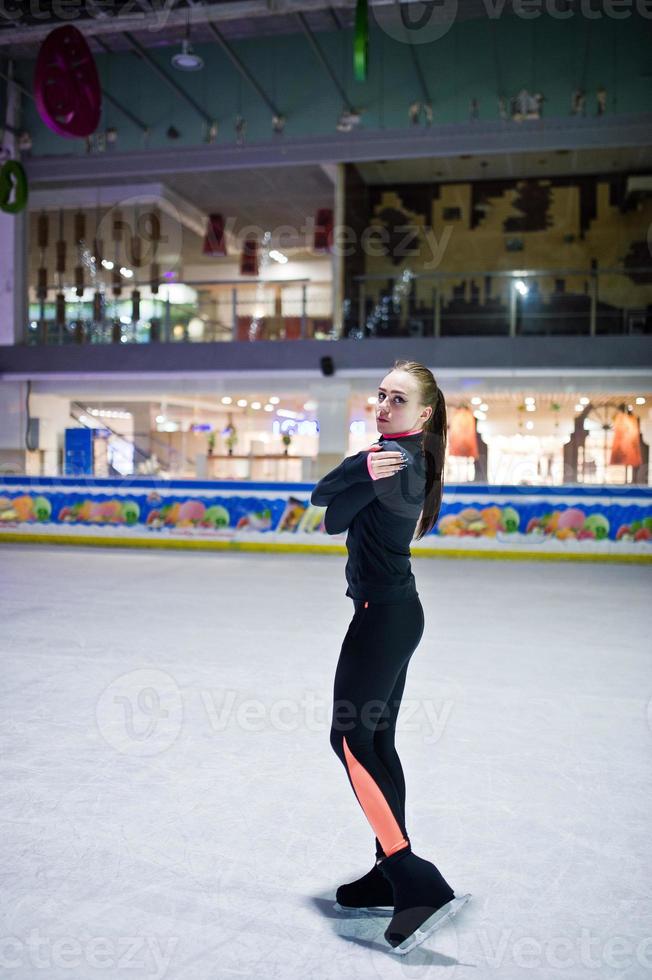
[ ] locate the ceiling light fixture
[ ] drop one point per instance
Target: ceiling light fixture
(186, 59)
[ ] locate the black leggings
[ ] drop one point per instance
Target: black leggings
(369, 683)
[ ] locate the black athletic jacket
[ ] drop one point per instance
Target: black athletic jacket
(381, 516)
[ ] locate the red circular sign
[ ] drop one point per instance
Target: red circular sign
(66, 84)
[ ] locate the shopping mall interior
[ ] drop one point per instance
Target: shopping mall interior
(181, 272)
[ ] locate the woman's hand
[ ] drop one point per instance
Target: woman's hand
(386, 463)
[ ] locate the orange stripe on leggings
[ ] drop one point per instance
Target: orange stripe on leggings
(374, 804)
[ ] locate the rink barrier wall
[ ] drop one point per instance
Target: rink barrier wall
(61, 539)
(477, 520)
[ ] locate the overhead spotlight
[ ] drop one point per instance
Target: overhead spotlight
(278, 256)
(349, 118)
(186, 59)
(278, 124)
(520, 287)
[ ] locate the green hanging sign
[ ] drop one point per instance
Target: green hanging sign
(361, 41)
(13, 179)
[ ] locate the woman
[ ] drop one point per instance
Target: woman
(379, 495)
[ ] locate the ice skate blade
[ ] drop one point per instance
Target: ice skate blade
(364, 910)
(427, 928)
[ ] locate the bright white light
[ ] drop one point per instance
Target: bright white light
(227, 400)
(127, 273)
(274, 400)
(529, 425)
(372, 400)
(107, 263)
(480, 416)
(278, 256)
(520, 287)
(125, 319)
(287, 414)
(578, 408)
(640, 400)
(307, 428)
(584, 401)
(269, 408)
(484, 407)
(358, 427)
(160, 419)
(476, 401)
(242, 402)
(310, 406)
(530, 408)
(255, 404)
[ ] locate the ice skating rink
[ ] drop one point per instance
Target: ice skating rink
(171, 806)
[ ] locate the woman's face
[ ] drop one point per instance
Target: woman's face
(397, 407)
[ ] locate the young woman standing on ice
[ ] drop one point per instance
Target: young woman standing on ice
(378, 495)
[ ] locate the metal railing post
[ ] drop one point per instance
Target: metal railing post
(361, 307)
(594, 302)
(512, 309)
(304, 298)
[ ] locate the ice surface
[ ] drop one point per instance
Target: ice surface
(171, 806)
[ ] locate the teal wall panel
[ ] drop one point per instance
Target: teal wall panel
(474, 59)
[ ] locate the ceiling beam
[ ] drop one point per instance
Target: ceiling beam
(321, 57)
(244, 71)
(157, 17)
(171, 82)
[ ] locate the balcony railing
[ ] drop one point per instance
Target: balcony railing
(502, 303)
(481, 303)
(182, 312)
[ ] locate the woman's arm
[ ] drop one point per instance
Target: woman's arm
(352, 485)
(350, 471)
(345, 505)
